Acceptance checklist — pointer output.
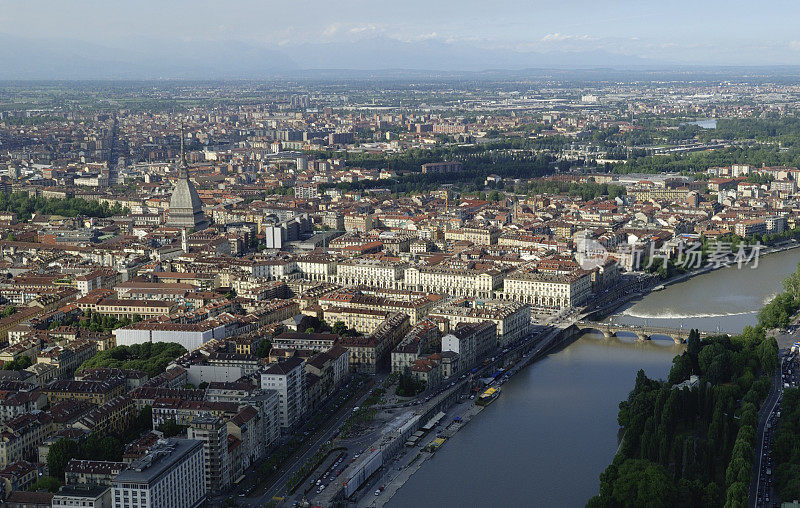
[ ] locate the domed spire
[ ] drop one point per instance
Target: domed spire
(183, 171)
(185, 207)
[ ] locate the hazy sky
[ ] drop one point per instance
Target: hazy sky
(672, 31)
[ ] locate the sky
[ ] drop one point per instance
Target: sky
(671, 32)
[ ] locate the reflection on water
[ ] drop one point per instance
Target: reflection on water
(547, 438)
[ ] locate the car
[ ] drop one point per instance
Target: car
(377, 492)
(356, 455)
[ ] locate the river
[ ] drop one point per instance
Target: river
(708, 123)
(547, 438)
(727, 299)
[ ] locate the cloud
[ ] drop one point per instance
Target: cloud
(559, 37)
(366, 28)
(331, 29)
(794, 45)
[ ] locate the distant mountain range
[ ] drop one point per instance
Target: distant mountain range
(57, 59)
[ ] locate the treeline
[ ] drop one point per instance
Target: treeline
(96, 322)
(411, 160)
(783, 129)
(778, 312)
(692, 446)
(25, 206)
(694, 162)
(786, 447)
(587, 190)
(470, 179)
(150, 357)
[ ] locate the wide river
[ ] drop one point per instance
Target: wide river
(551, 433)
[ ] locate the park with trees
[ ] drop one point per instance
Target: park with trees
(151, 358)
(693, 445)
(25, 206)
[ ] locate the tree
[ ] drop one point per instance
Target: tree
(111, 449)
(170, 428)
(144, 420)
(263, 348)
(635, 483)
(736, 496)
(151, 358)
(693, 344)
(21, 363)
(60, 454)
(339, 328)
(681, 369)
(45, 484)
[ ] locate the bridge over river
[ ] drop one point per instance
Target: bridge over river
(679, 335)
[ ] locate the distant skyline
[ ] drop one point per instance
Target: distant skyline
(249, 38)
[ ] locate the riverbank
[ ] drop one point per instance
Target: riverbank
(404, 467)
(463, 409)
(397, 476)
(546, 438)
(708, 269)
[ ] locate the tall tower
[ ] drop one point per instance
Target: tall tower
(185, 207)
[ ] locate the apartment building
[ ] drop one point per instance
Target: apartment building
(416, 305)
(546, 291)
(471, 341)
(115, 416)
(360, 223)
(372, 353)
(477, 236)
(92, 472)
(423, 336)
(288, 379)
(317, 267)
(68, 357)
(455, 281)
(362, 320)
(88, 496)
(371, 272)
(268, 404)
(184, 411)
(511, 318)
(20, 437)
(312, 341)
(96, 392)
(441, 167)
(750, 228)
(212, 431)
(170, 475)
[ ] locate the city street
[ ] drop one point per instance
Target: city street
(761, 492)
(313, 443)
